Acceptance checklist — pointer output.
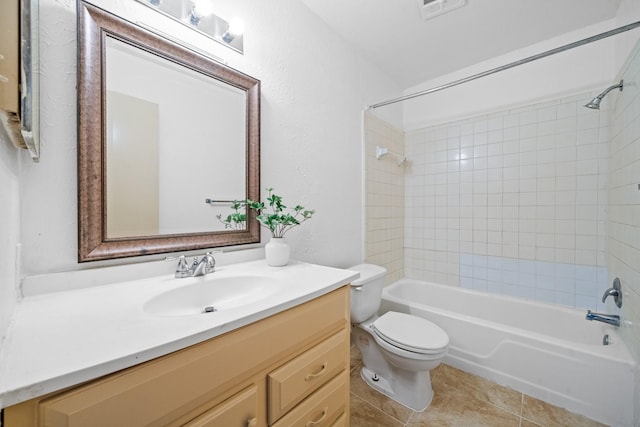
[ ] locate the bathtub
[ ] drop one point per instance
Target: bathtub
(549, 352)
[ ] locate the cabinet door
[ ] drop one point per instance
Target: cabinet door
(10, 54)
(241, 410)
(322, 408)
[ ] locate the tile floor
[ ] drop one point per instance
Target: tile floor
(460, 400)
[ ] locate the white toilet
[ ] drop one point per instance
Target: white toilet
(398, 349)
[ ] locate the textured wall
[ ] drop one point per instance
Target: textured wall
(313, 91)
(562, 74)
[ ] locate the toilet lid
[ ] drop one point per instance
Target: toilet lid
(411, 333)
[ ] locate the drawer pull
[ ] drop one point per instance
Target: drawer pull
(322, 370)
(325, 411)
(253, 422)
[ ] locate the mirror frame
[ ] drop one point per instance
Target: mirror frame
(94, 25)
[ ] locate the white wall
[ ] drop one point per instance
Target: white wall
(628, 12)
(583, 68)
(9, 231)
(313, 91)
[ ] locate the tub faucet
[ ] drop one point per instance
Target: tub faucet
(611, 319)
(615, 292)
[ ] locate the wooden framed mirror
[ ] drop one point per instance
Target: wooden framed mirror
(167, 139)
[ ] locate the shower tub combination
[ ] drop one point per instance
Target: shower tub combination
(548, 352)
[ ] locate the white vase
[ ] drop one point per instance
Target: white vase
(277, 252)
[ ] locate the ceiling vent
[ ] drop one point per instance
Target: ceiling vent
(432, 8)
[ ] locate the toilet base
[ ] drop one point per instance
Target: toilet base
(407, 397)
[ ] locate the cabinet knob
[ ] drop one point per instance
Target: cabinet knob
(317, 374)
(325, 411)
(253, 422)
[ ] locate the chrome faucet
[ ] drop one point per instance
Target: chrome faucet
(206, 265)
(199, 267)
(610, 319)
(615, 292)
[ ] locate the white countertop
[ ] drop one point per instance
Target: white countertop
(64, 338)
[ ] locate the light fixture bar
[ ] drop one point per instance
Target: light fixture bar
(198, 15)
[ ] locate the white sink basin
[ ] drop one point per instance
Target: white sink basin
(211, 295)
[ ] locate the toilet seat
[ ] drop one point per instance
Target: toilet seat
(411, 333)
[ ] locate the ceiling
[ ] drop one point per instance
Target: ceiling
(392, 34)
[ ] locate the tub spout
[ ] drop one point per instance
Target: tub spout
(611, 319)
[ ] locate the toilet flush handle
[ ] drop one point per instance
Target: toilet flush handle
(357, 288)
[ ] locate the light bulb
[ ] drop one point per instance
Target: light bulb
(202, 8)
(236, 27)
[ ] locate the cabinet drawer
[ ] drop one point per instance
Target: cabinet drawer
(241, 410)
(322, 408)
(295, 380)
(341, 421)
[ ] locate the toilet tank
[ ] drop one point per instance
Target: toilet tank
(366, 291)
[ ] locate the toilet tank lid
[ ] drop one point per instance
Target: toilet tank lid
(367, 272)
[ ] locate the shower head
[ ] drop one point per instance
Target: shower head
(595, 102)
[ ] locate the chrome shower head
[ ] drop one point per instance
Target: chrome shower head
(595, 102)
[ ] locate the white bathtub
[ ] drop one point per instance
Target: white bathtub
(546, 351)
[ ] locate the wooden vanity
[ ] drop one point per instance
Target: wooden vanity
(289, 369)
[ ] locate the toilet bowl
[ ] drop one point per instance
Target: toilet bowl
(398, 349)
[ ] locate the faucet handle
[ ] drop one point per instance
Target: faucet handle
(211, 261)
(615, 291)
(182, 270)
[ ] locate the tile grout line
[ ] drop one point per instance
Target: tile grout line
(521, 406)
(381, 410)
(373, 405)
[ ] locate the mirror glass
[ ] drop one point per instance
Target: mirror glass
(159, 175)
(168, 139)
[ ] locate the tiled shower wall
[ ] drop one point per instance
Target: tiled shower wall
(624, 205)
(518, 194)
(384, 198)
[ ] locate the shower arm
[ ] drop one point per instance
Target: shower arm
(510, 65)
(609, 89)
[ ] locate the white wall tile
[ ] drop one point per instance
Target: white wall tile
(384, 198)
(623, 221)
(527, 185)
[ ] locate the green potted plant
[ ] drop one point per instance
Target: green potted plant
(279, 219)
(237, 219)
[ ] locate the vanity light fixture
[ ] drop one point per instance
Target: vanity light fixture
(198, 15)
(200, 9)
(235, 29)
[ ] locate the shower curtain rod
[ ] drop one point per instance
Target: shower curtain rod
(511, 65)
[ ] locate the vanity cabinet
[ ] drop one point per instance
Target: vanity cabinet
(289, 369)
